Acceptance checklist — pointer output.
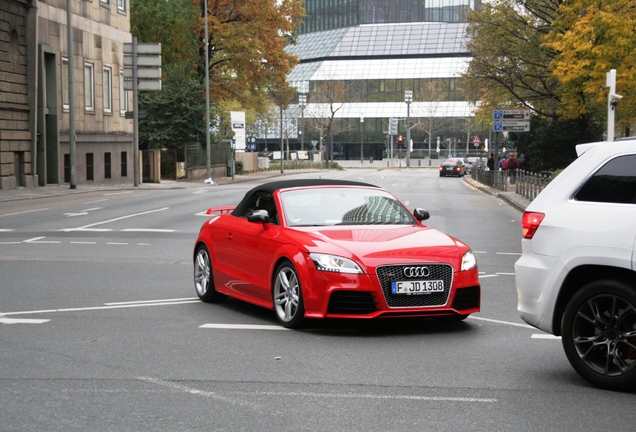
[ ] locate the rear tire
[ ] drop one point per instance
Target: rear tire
(599, 334)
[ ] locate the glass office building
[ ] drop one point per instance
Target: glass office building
(358, 60)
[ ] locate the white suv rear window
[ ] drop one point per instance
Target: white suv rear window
(615, 182)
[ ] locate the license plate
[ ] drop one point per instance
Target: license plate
(417, 287)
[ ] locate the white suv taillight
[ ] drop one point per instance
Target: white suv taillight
(530, 222)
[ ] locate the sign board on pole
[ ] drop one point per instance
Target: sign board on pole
(393, 126)
(148, 63)
(511, 120)
(238, 128)
(511, 114)
(511, 126)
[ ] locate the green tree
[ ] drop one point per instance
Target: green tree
(176, 114)
(246, 47)
(247, 40)
(171, 23)
(510, 66)
(513, 66)
(591, 37)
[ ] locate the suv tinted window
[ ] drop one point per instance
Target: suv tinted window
(615, 182)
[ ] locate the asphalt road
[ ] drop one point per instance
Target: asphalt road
(100, 330)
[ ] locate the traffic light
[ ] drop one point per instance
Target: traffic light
(400, 141)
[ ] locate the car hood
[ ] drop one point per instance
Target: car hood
(385, 244)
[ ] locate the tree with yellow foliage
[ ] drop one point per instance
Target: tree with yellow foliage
(591, 37)
(246, 47)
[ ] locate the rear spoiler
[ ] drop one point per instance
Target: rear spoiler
(582, 148)
(220, 209)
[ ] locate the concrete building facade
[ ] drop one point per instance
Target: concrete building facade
(35, 107)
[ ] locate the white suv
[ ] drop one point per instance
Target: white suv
(577, 275)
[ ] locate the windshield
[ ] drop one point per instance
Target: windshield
(343, 206)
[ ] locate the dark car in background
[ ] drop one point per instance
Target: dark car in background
(452, 167)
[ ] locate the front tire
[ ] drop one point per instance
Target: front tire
(599, 334)
(203, 280)
(288, 298)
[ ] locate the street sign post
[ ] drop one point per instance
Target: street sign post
(144, 61)
(511, 114)
(511, 120)
(511, 126)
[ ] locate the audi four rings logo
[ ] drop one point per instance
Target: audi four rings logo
(411, 272)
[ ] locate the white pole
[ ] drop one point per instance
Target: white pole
(611, 101)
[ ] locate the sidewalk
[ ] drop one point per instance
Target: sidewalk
(515, 200)
(509, 196)
(59, 190)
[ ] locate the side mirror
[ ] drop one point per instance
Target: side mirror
(421, 214)
(258, 216)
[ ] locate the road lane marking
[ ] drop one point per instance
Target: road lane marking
(82, 212)
(151, 301)
(40, 241)
(502, 322)
(149, 230)
(117, 193)
(23, 212)
(545, 336)
(508, 253)
(187, 389)
(91, 308)
(114, 220)
(22, 321)
(242, 327)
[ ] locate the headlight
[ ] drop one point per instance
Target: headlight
(468, 261)
(332, 263)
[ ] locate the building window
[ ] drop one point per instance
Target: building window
(108, 87)
(89, 87)
(105, 2)
(107, 165)
(121, 6)
(90, 169)
(124, 164)
(65, 83)
(123, 94)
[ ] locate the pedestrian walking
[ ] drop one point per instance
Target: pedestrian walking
(513, 165)
(491, 162)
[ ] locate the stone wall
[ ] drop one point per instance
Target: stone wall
(15, 135)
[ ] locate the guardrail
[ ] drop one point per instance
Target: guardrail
(529, 184)
(525, 183)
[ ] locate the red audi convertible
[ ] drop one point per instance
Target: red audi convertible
(313, 249)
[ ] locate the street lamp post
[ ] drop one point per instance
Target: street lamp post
(207, 94)
(408, 98)
(302, 101)
(361, 137)
(71, 97)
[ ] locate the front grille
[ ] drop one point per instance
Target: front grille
(387, 274)
(466, 298)
(351, 302)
